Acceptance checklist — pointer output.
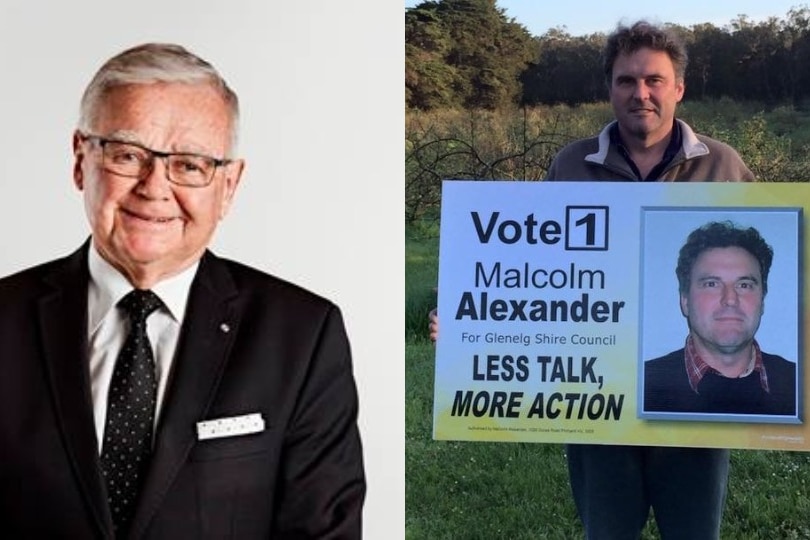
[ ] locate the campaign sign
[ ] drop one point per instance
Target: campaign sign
(668, 314)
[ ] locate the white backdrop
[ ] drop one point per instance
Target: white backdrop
(320, 202)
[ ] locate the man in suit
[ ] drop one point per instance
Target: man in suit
(224, 405)
(722, 275)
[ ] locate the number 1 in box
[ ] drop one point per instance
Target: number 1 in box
(586, 228)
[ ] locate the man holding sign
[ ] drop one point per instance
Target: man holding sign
(615, 486)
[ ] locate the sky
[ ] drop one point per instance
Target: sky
(587, 17)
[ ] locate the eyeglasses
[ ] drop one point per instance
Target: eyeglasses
(136, 161)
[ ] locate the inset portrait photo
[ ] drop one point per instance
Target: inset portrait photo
(720, 315)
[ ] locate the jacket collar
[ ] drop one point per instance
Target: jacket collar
(62, 319)
(691, 146)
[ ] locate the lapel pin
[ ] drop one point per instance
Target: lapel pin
(225, 327)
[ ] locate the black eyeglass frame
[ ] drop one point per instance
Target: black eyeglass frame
(103, 141)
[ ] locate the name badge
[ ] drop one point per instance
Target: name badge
(232, 426)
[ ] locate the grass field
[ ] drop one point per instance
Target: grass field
(464, 490)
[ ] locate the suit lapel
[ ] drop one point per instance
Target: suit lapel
(63, 326)
(210, 324)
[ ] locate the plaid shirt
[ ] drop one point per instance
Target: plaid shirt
(697, 368)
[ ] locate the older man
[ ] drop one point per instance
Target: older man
(150, 388)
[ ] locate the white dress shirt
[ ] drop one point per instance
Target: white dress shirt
(107, 327)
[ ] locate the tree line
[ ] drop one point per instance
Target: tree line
(468, 54)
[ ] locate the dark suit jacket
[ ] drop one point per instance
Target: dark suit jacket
(249, 343)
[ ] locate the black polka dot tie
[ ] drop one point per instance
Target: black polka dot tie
(130, 412)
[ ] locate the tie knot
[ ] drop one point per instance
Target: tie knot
(139, 304)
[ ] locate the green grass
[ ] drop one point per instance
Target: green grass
(472, 490)
(421, 277)
(476, 490)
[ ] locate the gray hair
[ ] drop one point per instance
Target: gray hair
(155, 63)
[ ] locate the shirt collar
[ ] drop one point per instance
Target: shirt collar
(673, 147)
(697, 368)
(108, 286)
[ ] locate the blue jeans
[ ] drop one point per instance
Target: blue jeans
(615, 486)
